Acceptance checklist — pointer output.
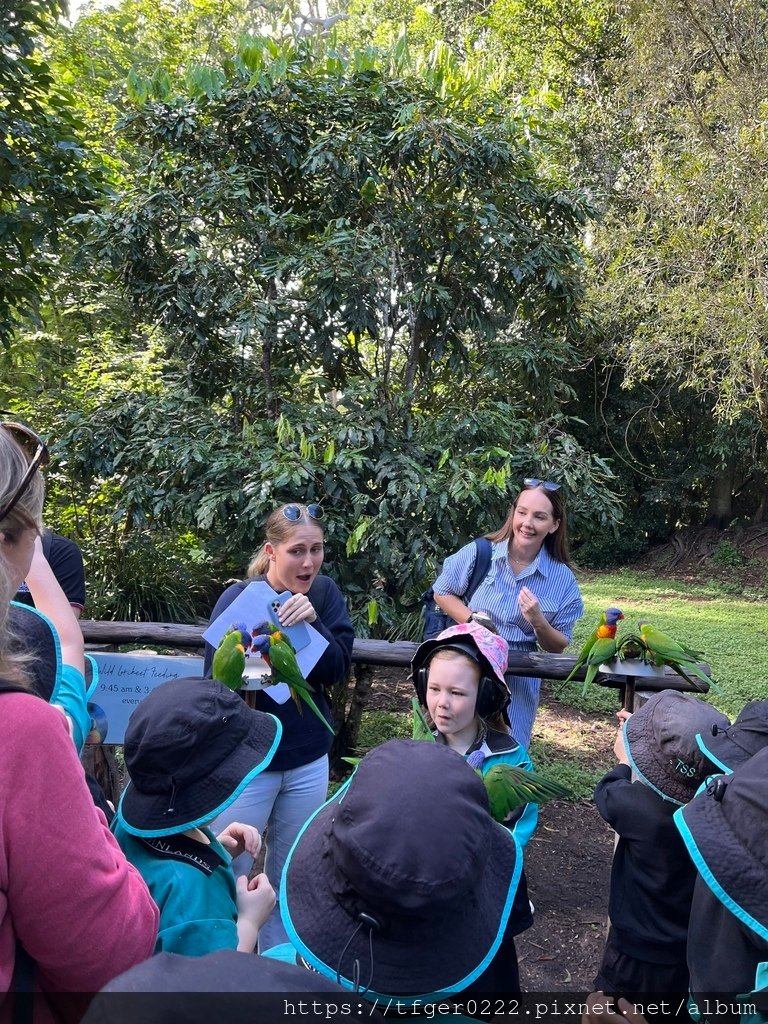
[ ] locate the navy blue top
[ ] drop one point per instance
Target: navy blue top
(305, 738)
(652, 875)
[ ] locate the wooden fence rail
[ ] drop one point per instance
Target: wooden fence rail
(348, 701)
(366, 652)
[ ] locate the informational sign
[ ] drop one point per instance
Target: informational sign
(125, 680)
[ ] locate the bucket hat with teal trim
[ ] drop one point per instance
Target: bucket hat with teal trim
(191, 747)
(729, 748)
(402, 883)
(726, 832)
(660, 741)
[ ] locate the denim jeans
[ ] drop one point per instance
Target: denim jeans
(282, 801)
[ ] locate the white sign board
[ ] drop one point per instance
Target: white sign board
(125, 680)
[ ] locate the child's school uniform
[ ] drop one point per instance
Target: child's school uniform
(501, 748)
(193, 886)
(652, 881)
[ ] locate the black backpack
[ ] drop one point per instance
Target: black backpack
(435, 620)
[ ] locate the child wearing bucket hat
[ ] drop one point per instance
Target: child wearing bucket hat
(725, 831)
(190, 748)
(459, 679)
(651, 877)
(402, 884)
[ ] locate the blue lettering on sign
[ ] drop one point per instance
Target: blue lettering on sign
(138, 675)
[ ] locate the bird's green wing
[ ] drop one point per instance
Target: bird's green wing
(603, 649)
(509, 787)
(286, 669)
(421, 730)
(588, 645)
(228, 663)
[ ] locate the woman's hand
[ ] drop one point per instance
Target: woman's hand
(530, 607)
(298, 608)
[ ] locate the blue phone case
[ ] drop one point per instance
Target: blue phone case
(298, 634)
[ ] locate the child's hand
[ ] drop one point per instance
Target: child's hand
(238, 838)
(619, 748)
(255, 899)
(623, 715)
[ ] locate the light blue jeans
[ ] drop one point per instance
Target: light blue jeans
(282, 801)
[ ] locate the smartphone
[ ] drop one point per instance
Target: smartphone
(298, 634)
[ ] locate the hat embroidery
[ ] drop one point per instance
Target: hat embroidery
(186, 850)
(684, 769)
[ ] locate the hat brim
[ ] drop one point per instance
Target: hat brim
(463, 643)
(721, 752)
(439, 953)
(733, 873)
(648, 763)
(149, 814)
(34, 633)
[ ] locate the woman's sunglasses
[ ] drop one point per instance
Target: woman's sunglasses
(34, 447)
(293, 513)
(548, 485)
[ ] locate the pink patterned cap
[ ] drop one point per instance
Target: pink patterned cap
(492, 648)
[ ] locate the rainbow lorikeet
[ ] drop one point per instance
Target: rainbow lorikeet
(279, 655)
(600, 645)
(666, 651)
(508, 786)
(229, 660)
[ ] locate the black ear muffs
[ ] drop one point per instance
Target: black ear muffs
(492, 694)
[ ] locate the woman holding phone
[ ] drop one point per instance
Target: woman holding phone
(284, 796)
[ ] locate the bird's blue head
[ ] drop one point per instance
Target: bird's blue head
(612, 615)
(263, 629)
(240, 627)
(261, 644)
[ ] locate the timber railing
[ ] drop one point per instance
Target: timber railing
(350, 697)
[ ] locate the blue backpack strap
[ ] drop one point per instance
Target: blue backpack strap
(483, 552)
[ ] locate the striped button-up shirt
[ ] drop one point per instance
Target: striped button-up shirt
(551, 581)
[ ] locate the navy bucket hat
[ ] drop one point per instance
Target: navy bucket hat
(726, 832)
(661, 743)
(191, 747)
(729, 748)
(402, 883)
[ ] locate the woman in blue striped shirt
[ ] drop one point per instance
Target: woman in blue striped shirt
(529, 591)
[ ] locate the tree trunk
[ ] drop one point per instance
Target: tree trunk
(721, 500)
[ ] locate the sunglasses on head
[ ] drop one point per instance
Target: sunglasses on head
(34, 448)
(548, 485)
(293, 513)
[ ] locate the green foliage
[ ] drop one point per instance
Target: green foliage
(397, 499)
(727, 554)
(379, 726)
(45, 178)
(147, 576)
(260, 242)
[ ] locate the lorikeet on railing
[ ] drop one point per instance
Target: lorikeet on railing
(600, 646)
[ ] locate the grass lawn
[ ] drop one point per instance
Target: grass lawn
(731, 630)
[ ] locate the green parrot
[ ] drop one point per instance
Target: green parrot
(666, 651)
(508, 787)
(229, 660)
(278, 653)
(600, 646)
